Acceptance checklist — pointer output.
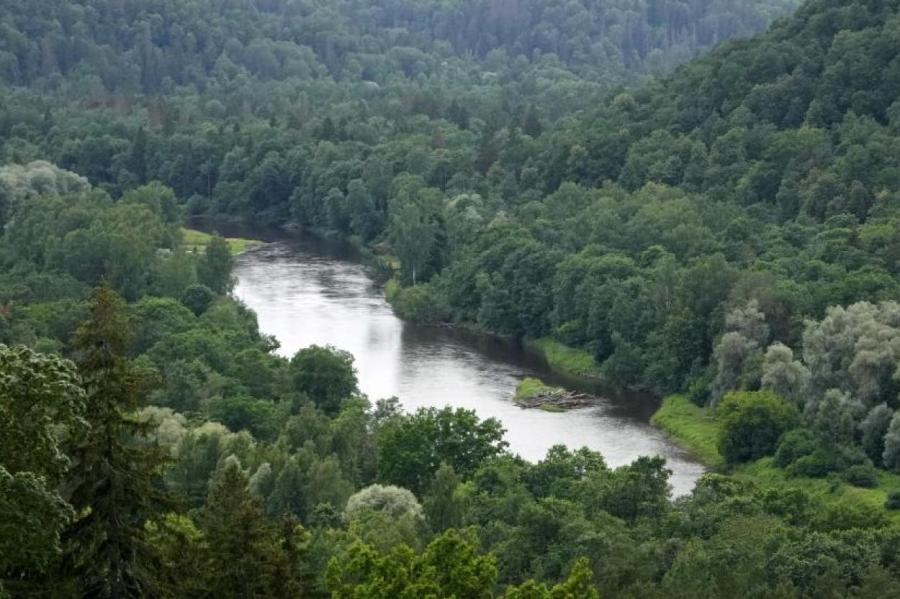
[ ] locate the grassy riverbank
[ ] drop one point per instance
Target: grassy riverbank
(566, 360)
(198, 240)
(694, 429)
(690, 427)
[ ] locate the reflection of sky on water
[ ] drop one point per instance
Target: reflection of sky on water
(303, 298)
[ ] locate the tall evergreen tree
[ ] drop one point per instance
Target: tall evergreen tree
(115, 481)
(244, 555)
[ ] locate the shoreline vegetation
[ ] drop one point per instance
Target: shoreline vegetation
(694, 429)
(194, 240)
(691, 427)
(566, 360)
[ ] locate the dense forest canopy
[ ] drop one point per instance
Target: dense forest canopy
(151, 46)
(729, 231)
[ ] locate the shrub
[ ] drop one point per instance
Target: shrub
(862, 475)
(794, 445)
(418, 303)
(893, 501)
(751, 423)
(815, 465)
(198, 298)
(699, 389)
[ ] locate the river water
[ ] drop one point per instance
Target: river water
(309, 291)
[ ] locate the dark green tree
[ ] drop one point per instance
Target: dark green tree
(751, 423)
(115, 479)
(326, 375)
(244, 554)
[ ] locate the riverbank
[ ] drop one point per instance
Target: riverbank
(566, 360)
(195, 240)
(694, 429)
(690, 427)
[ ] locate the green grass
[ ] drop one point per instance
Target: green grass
(764, 473)
(691, 427)
(194, 240)
(530, 388)
(566, 360)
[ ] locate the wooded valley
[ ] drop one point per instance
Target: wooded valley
(699, 199)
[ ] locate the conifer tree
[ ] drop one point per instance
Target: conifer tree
(115, 480)
(244, 553)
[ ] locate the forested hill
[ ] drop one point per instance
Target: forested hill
(150, 46)
(829, 70)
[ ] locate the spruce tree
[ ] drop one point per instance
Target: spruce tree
(115, 480)
(245, 554)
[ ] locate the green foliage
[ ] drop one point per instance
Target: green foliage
(195, 240)
(41, 407)
(893, 501)
(566, 360)
(326, 375)
(198, 298)
(449, 567)
(751, 423)
(411, 448)
(115, 481)
(443, 504)
(732, 226)
(214, 266)
(862, 475)
(690, 426)
(244, 554)
(419, 303)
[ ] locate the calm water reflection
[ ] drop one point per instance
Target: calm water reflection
(309, 292)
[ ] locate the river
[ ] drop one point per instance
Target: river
(310, 291)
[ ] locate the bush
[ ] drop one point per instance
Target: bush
(893, 501)
(815, 465)
(699, 389)
(418, 303)
(751, 423)
(862, 475)
(198, 298)
(794, 445)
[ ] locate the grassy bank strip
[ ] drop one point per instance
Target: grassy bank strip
(566, 360)
(198, 240)
(690, 427)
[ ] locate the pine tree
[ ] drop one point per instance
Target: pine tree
(115, 481)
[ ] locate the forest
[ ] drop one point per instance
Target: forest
(701, 196)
